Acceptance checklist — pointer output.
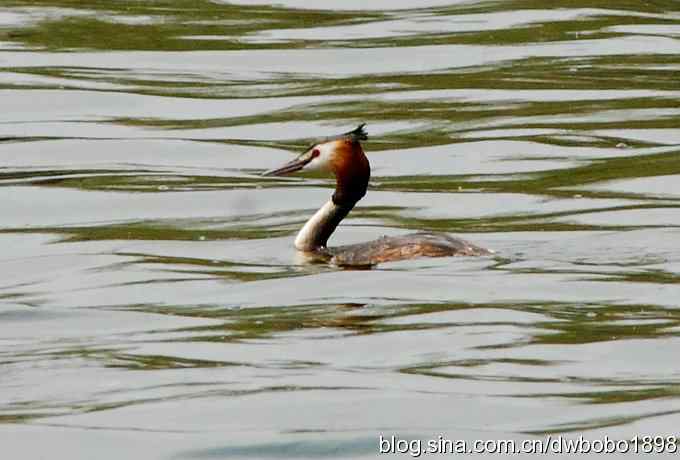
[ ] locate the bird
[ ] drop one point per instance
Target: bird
(344, 157)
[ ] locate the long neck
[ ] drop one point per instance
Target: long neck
(352, 178)
(315, 233)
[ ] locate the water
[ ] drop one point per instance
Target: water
(153, 305)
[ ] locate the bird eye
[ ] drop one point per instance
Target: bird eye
(315, 153)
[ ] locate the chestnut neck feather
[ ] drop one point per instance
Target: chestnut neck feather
(352, 172)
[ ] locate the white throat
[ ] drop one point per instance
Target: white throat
(321, 226)
(308, 238)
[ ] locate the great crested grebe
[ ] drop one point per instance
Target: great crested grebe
(343, 157)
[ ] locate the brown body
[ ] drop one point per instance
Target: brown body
(411, 246)
(345, 159)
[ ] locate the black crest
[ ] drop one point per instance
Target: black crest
(358, 134)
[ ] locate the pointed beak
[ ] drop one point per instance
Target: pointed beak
(290, 167)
